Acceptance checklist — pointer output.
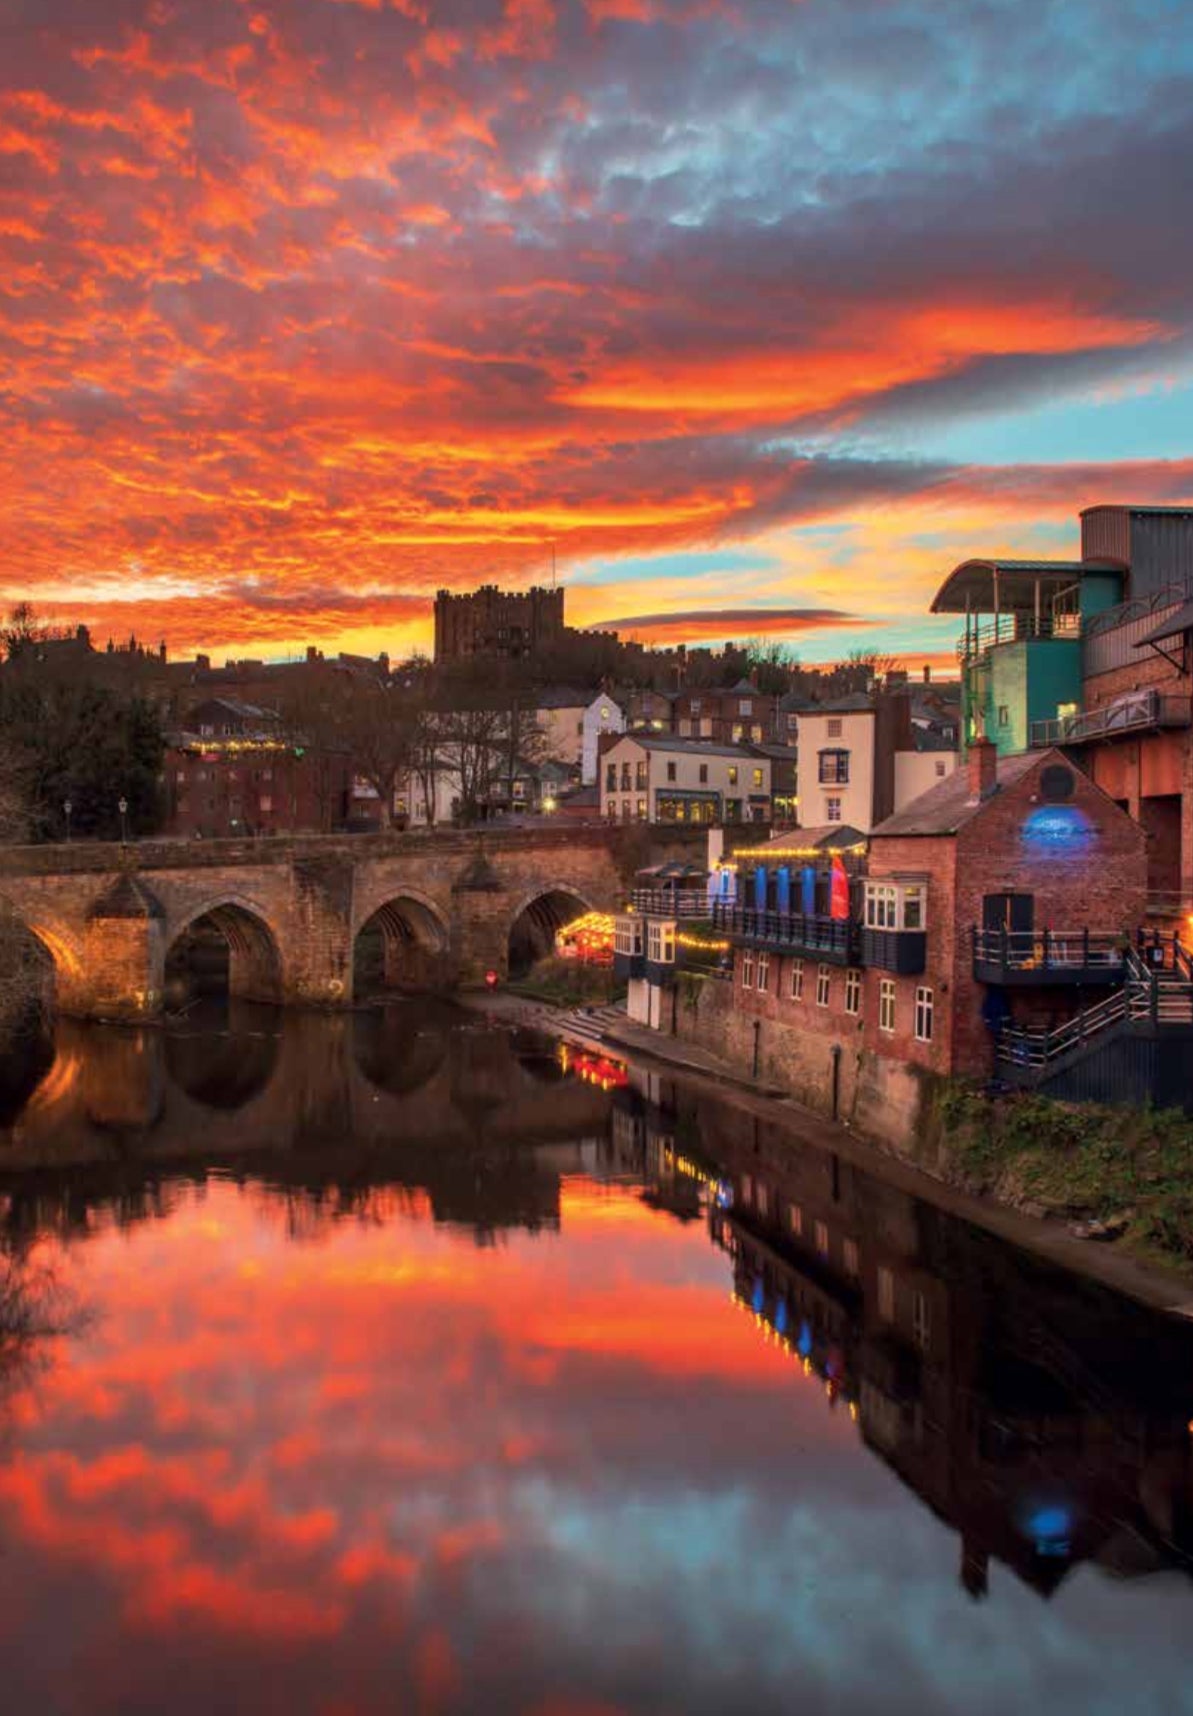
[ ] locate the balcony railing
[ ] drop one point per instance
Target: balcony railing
(1141, 709)
(835, 939)
(1016, 628)
(663, 903)
(1048, 956)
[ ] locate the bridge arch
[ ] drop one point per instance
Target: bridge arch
(223, 945)
(402, 944)
(37, 960)
(535, 920)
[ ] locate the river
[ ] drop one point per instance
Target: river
(401, 1363)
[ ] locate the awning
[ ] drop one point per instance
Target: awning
(1172, 627)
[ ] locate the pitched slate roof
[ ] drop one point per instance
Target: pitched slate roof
(949, 805)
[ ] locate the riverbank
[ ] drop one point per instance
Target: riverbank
(1040, 1206)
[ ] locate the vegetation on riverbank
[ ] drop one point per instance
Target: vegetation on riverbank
(1124, 1174)
(568, 983)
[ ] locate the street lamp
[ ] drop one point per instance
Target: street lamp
(67, 807)
(122, 807)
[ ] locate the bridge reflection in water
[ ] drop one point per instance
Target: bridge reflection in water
(688, 1410)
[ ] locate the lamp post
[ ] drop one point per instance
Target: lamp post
(122, 807)
(67, 807)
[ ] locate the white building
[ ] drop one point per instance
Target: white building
(863, 757)
(648, 779)
(572, 724)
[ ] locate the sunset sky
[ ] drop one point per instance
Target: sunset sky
(310, 307)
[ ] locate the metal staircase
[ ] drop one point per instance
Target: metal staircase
(1154, 1002)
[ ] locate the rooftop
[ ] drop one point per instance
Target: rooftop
(950, 804)
(981, 586)
(689, 747)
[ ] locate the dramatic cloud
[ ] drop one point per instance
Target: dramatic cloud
(309, 307)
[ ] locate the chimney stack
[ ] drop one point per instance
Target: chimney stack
(927, 673)
(983, 768)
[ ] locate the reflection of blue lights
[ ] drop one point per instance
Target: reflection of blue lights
(724, 1195)
(781, 1316)
(804, 1344)
(1058, 828)
(758, 1300)
(1050, 1529)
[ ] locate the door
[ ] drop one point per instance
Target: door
(1008, 911)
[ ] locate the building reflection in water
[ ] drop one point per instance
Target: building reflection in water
(1040, 1418)
(1047, 1420)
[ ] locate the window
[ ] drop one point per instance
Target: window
(797, 979)
(849, 1257)
(1004, 715)
(886, 1295)
(660, 944)
(793, 723)
(834, 768)
(921, 1321)
(745, 707)
(940, 770)
(923, 1015)
(641, 810)
(627, 810)
(610, 777)
(604, 714)
(853, 990)
(882, 904)
(832, 810)
(694, 705)
(641, 777)
(747, 970)
(762, 1199)
(266, 802)
(670, 771)
(737, 732)
(795, 1219)
(886, 1004)
(821, 1235)
(757, 777)
(762, 983)
(704, 774)
(626, 777)
(627, 935)
(733, 774)
(834, 727)
(824, 974)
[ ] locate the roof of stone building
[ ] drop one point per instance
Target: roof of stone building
(949, 805)
(821, 837)
(689, 747)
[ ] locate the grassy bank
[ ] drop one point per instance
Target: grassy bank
(568, 983)
(1131, 1171)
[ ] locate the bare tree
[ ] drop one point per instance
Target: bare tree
(364, 717)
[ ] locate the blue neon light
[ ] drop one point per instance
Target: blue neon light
(1058, 829)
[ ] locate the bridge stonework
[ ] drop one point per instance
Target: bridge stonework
(291, 909)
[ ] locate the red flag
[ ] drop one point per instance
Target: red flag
(838, 889)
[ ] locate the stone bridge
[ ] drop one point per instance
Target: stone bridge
(437, 909)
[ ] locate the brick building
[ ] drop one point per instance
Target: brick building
(230, 771)
(1096, 655)
(737, 715)
(995, 911)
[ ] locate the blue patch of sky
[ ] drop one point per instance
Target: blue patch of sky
(1156, 424)
(687, 563)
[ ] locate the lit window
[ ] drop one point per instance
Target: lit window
(832, 810)
(886, 1295)
(797, 979)
(660, 944)
(641, 810)
(824, 975)
(822, 1238)
(1004, 715)
(853, 990)
(627, 936)
(849, 1257)
(733, 774)
(762, 982)
(747, 970)
(757, 777)
(762, 1199)
(795, 1219)
(923, 1015)
(266, 801)
(834, 768)
(886, 1004)
(604, 714)
(913, 908)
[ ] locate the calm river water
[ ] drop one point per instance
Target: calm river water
(402, 1364)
